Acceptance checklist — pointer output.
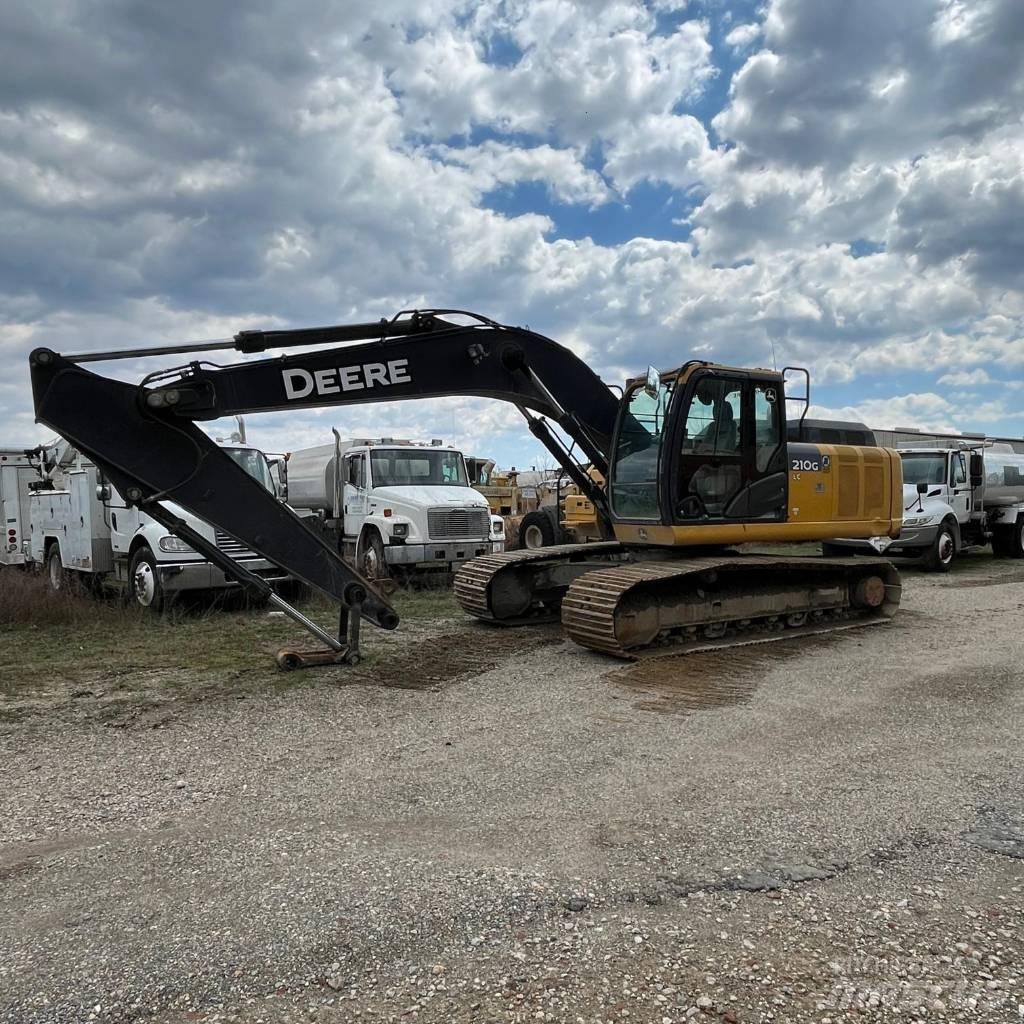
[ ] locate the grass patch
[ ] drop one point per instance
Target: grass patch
(62, 643)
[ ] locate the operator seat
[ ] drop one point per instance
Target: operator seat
(715, 484)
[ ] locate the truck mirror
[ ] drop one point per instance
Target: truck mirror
(977, 469)
(653, 382)
(922, 488)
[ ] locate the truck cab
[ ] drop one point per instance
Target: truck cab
(955, 496)
(82, 531)
(395, 504)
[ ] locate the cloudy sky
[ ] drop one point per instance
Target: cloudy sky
(837, 183)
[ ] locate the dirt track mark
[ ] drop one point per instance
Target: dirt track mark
(712, 679)
(436, 660)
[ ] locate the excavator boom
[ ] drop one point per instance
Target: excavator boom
(144, 438)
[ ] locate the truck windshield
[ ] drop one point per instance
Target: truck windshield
(395, 467)
(254, 463)
(923, 468)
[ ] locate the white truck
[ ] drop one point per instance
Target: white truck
(390, 503)
(16, 471)
(82, 532)
(955, 496)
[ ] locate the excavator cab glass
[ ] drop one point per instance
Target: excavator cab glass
(731, 462)
(634, 471)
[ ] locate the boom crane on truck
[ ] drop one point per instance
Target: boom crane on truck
(695, 459)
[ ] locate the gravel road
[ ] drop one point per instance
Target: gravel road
(822, 830)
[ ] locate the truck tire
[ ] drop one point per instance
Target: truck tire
(1002, 542)
(537, 530)
(371, 561)
(58, 579)
(1015, 545)
(145, 587)
(939, 557)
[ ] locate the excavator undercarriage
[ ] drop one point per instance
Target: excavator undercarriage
(630, 603)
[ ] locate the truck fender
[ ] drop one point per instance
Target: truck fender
(369, 537)
(149, 536)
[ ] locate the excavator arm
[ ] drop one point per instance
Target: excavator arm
(144, 438)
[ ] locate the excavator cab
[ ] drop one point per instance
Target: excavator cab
(704, 444)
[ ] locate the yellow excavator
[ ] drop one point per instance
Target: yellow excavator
(683, 468)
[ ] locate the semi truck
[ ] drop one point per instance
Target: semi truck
(85, 535)
(967, 494)
(388, 504)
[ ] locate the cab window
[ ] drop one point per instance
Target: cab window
(767, 432)
(637, 451)
(713, 419)
(355, 473)
(959, 470)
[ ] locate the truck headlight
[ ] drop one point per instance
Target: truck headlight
(919, 520)
(175, 545)
(498, 527)
(399, 530)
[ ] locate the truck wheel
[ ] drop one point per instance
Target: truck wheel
(1016, 545)
(537, 530)
(942, 552)
(372, 563)
(146, 589)
(58, 578)
(1002, 542)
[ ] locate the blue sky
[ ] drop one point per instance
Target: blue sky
(840, 184)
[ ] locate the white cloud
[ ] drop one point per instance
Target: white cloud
(742, 36)
(965, 378)
(561, 171)
(924, 411)
(668, 148)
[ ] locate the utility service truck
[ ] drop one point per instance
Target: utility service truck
(388, 504)
(84, 533)
(955, 496)
(16, 471)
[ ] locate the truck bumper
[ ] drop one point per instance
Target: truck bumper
(912, 542)
(179, 576)
(441, 553)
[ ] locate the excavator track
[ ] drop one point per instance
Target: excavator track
(678, 605)
(515, 587)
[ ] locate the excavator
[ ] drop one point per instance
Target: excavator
(682, 468)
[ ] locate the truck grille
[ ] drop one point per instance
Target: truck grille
(458, 523)
(232, 547)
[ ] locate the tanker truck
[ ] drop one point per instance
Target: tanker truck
(388, 504)
(955, 496)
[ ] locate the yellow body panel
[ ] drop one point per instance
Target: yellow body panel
(858, 495)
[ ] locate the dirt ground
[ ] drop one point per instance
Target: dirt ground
(481, 824)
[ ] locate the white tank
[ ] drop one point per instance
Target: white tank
(311, 478)
(1004, 477)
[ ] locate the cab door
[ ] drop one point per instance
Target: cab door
(959, 486)
(354, 495)
(732, 456)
